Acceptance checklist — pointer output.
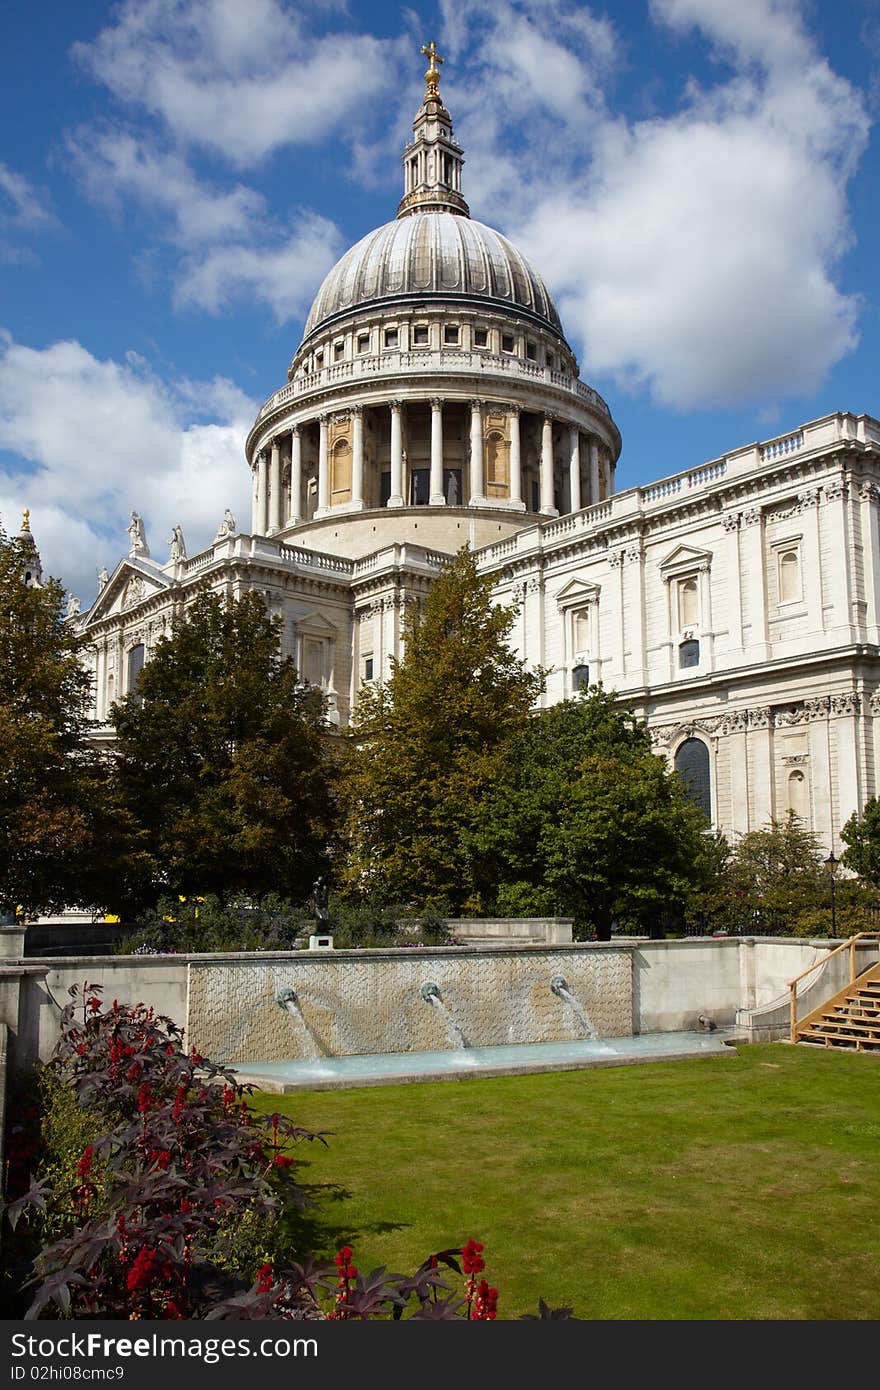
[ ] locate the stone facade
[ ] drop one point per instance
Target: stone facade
(433, 402)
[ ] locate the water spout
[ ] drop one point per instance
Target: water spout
(430, 992)
(287, 1000)
(559, 986)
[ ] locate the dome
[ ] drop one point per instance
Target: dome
(433, 255)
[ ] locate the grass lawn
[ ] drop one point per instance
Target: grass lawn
(742, 1188)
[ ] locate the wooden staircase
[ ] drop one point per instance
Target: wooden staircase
(849, 1019)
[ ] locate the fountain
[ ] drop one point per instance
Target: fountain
(430, 992)
(559, 986)
(286, 999)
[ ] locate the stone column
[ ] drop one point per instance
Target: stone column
(323, 469)
(477, 496)
(436, 497)
(275, 517)
(261, 521)
(396, 498)
(594, 472)
(357, 449)
(295, 476)
(609, 474)
(548, 506)
(754, 584)
(516, 496)
(574, 468)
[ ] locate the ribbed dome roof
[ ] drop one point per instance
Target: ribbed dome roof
(433, 255)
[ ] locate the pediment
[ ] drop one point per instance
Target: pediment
(131, 584)
(576, 592)
(684, 559)
(315, 622)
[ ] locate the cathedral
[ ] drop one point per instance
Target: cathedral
(434, 402)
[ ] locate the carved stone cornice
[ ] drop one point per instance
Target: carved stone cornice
(849, 702)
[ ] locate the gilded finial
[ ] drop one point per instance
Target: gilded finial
(26, 519)
(432, 76)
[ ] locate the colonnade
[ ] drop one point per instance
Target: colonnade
(278, 504)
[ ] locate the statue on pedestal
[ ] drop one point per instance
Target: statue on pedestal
(137, 537)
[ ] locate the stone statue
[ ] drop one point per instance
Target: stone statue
(177, 543)
(137, 537)
(452, 490)
(321, 897)
(72, 605)
(226, 527)
(103, 577)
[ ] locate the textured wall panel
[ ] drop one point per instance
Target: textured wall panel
(367, 1003)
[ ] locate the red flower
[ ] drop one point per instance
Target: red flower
(142, 1270)
(471, 1258)
(94, 1004)
(282, 1161)
(185, 1206)
(144, 1097)
(84, 1167)
(161, 1156)
(174, 1308)
(486, 1303)
(82, 1049)
(133, 1072)
(265, 1278)
(343, 1257)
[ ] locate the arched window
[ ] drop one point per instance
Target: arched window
(340, 472)
(789, 576)
(688, 603)
(581, 630)
(692, 765)
(798, 801)
(689, 653)
(580, 677)
(497, 479)
(135, 666)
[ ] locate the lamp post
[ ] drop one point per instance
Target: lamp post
(831, 864)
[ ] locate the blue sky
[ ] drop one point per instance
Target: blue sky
(696, 180)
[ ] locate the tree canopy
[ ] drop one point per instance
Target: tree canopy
(223, 756)
(585, 820)
(65, 840)
(861, 835)
(426, 747)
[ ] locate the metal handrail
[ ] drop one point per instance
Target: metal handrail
(844, 945)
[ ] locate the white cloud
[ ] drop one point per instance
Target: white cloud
(98, 438)
(694, 254)
(228, 247)
(115, 166)
(284, 275)
(240, 79)
(24, 209)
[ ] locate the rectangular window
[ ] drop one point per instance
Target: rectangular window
(363, 342)
(507, 342)
(450, 334)
(391, 337)
(481, 337)
(532, 352)
(551, 361)
(338, 351)
(319, 361)
(368, 668)
(420, 335)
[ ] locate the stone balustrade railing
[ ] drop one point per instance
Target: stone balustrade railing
(430, 360)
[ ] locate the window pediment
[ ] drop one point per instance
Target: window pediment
(577, 593)
(684, 560)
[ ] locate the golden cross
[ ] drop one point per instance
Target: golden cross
(433, 74)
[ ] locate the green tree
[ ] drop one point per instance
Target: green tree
(224, 757)
(65, 839)
(774, 879)
(861, 835)
(588, 822)
(428, 746)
